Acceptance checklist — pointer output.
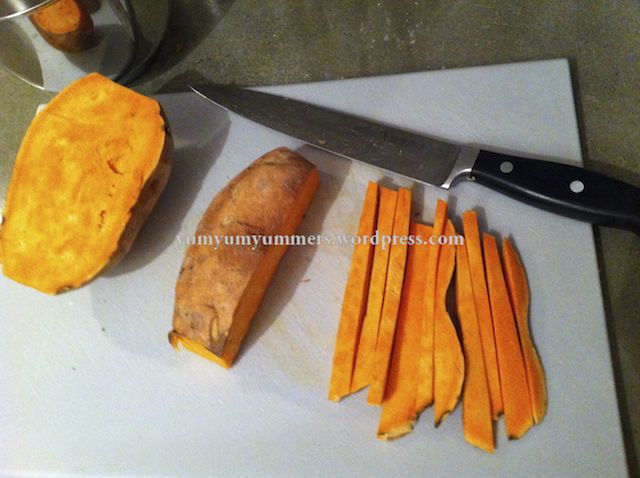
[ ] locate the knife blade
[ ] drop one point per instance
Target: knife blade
(559, 188)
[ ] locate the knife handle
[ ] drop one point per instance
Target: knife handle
(562, 189)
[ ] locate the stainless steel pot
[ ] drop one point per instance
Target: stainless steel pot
(49, 43)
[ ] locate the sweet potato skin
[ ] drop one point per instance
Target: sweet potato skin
(68, 166)
(65, 25)
(220, 288)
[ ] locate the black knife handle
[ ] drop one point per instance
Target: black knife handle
(562, 189)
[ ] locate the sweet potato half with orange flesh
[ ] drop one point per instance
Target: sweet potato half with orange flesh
(65, 25)
(476, 404)
(363, 370)
(519, 292)
(89, 170)
(220, 288)
(448, 361)
(513, 378)
(355, 299)
(392, 294)
(398, 409)
(424, 394)
(483, 308)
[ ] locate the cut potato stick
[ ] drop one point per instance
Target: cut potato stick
(362, 372)
(483, 309)
(392, 293)
(448, 361)
(476, 404)
(398, 410)
(513, 379)
(355, 299)
(424, 395)
(519, 292)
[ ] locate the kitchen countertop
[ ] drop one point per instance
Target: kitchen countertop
(248, 42)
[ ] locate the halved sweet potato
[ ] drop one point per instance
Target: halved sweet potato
(65, 25)
(89, 170)
(220, 288)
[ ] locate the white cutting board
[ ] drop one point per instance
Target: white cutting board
(90, 384)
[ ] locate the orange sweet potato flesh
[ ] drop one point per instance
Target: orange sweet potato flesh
(220, 288)
(392, 295)
(483, 308)
(519, 293)
(89, 170)
(65, 25)
(424, 394)
(513, 378)
(363, 370)
(448, 361)
(476, 404)
(355, 300)
(398, 409)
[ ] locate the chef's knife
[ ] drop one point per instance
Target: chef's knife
(559, 188)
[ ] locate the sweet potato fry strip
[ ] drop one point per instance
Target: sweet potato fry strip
(476, 404)
(424, 395)
(483, 308)
(519, 293)
(363, 370)
(355, 300)
(392, 294)
(448, 361)
(398, 409)
(513, 378)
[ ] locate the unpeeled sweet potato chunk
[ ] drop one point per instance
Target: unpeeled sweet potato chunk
(65, 25)
(220, 287)
(89, 170)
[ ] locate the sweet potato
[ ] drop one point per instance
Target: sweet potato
(363, 370)
(519, 293)
(398, 408)
(518, 415)
(220, 288)
(355, 299)
(483, 308)
(65, 25)
(448, 361)
(392, 293)
(476, 404)
(424, 395)
(89, 170)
